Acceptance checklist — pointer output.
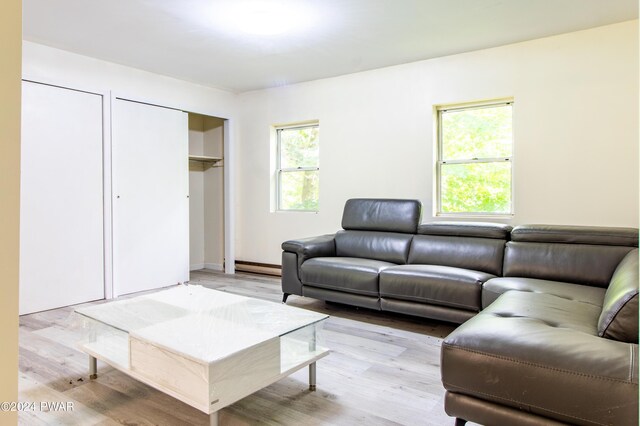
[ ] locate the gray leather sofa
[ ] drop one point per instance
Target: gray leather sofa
(550, 313)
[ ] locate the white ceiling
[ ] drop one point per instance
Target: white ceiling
(194, 40)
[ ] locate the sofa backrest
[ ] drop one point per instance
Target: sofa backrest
(386, 246)
(577, 254)
(498, 231)
(468, 245)
(387, 215)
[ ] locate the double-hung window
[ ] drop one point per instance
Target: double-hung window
(474, 162)
(298, 167)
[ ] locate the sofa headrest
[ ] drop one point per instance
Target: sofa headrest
(597, 235)
(373, 214)
(466, 229)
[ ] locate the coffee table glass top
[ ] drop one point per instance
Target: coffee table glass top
(200, 323)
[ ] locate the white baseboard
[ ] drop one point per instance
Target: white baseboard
(214, 266)
(196, 266)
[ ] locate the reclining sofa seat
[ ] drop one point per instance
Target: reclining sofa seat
(556, 342)
(345, 267)
(447, 265)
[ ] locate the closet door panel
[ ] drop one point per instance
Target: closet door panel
(61, 202)
(150, 197)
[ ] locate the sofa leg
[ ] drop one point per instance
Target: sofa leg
(284, 297)
(460, 422)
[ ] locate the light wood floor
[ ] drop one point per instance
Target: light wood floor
(383, 370)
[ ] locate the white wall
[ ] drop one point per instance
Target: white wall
(575, 125)
(48, 64)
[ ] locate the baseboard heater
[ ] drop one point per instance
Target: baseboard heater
(259, 268)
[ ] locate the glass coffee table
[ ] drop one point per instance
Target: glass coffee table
(204, 347)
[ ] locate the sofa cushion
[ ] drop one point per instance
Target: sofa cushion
(574, 263)
(353, 275)
(478, 254)
(439, 285)
(466, 229)
(384, 246)
(372, 214)
(619, 316)
(594, 235)
(495, 287)
(532, 351)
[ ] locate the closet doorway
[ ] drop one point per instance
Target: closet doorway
(206, 192)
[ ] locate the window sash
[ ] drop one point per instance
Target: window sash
(477, 160)
(280, 170)
(299, 169)
(494, 188)
(440, 161)
(279, 184)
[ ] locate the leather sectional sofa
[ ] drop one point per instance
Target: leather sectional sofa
(550, 313)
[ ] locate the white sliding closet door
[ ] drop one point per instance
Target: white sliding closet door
(150, 174)
(61, 201)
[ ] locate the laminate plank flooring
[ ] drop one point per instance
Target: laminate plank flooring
(384, 369)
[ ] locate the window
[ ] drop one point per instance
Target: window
(474, 168)
(298, 167)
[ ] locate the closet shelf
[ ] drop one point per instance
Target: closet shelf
(205, 159)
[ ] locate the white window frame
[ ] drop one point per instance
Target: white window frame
(280, 170)
(438, 111)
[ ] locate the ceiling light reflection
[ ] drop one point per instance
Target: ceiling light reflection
(266, 17)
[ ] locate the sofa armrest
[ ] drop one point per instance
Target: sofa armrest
(307, 248)
(296, 252)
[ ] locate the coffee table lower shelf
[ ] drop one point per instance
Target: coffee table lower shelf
(237, 387)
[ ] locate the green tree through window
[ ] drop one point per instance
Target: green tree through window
(475, 159)
(298, 168)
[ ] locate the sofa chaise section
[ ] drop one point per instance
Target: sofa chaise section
(541, 357)
(552, 352)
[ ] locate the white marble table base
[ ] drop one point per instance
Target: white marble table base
(213, 417)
